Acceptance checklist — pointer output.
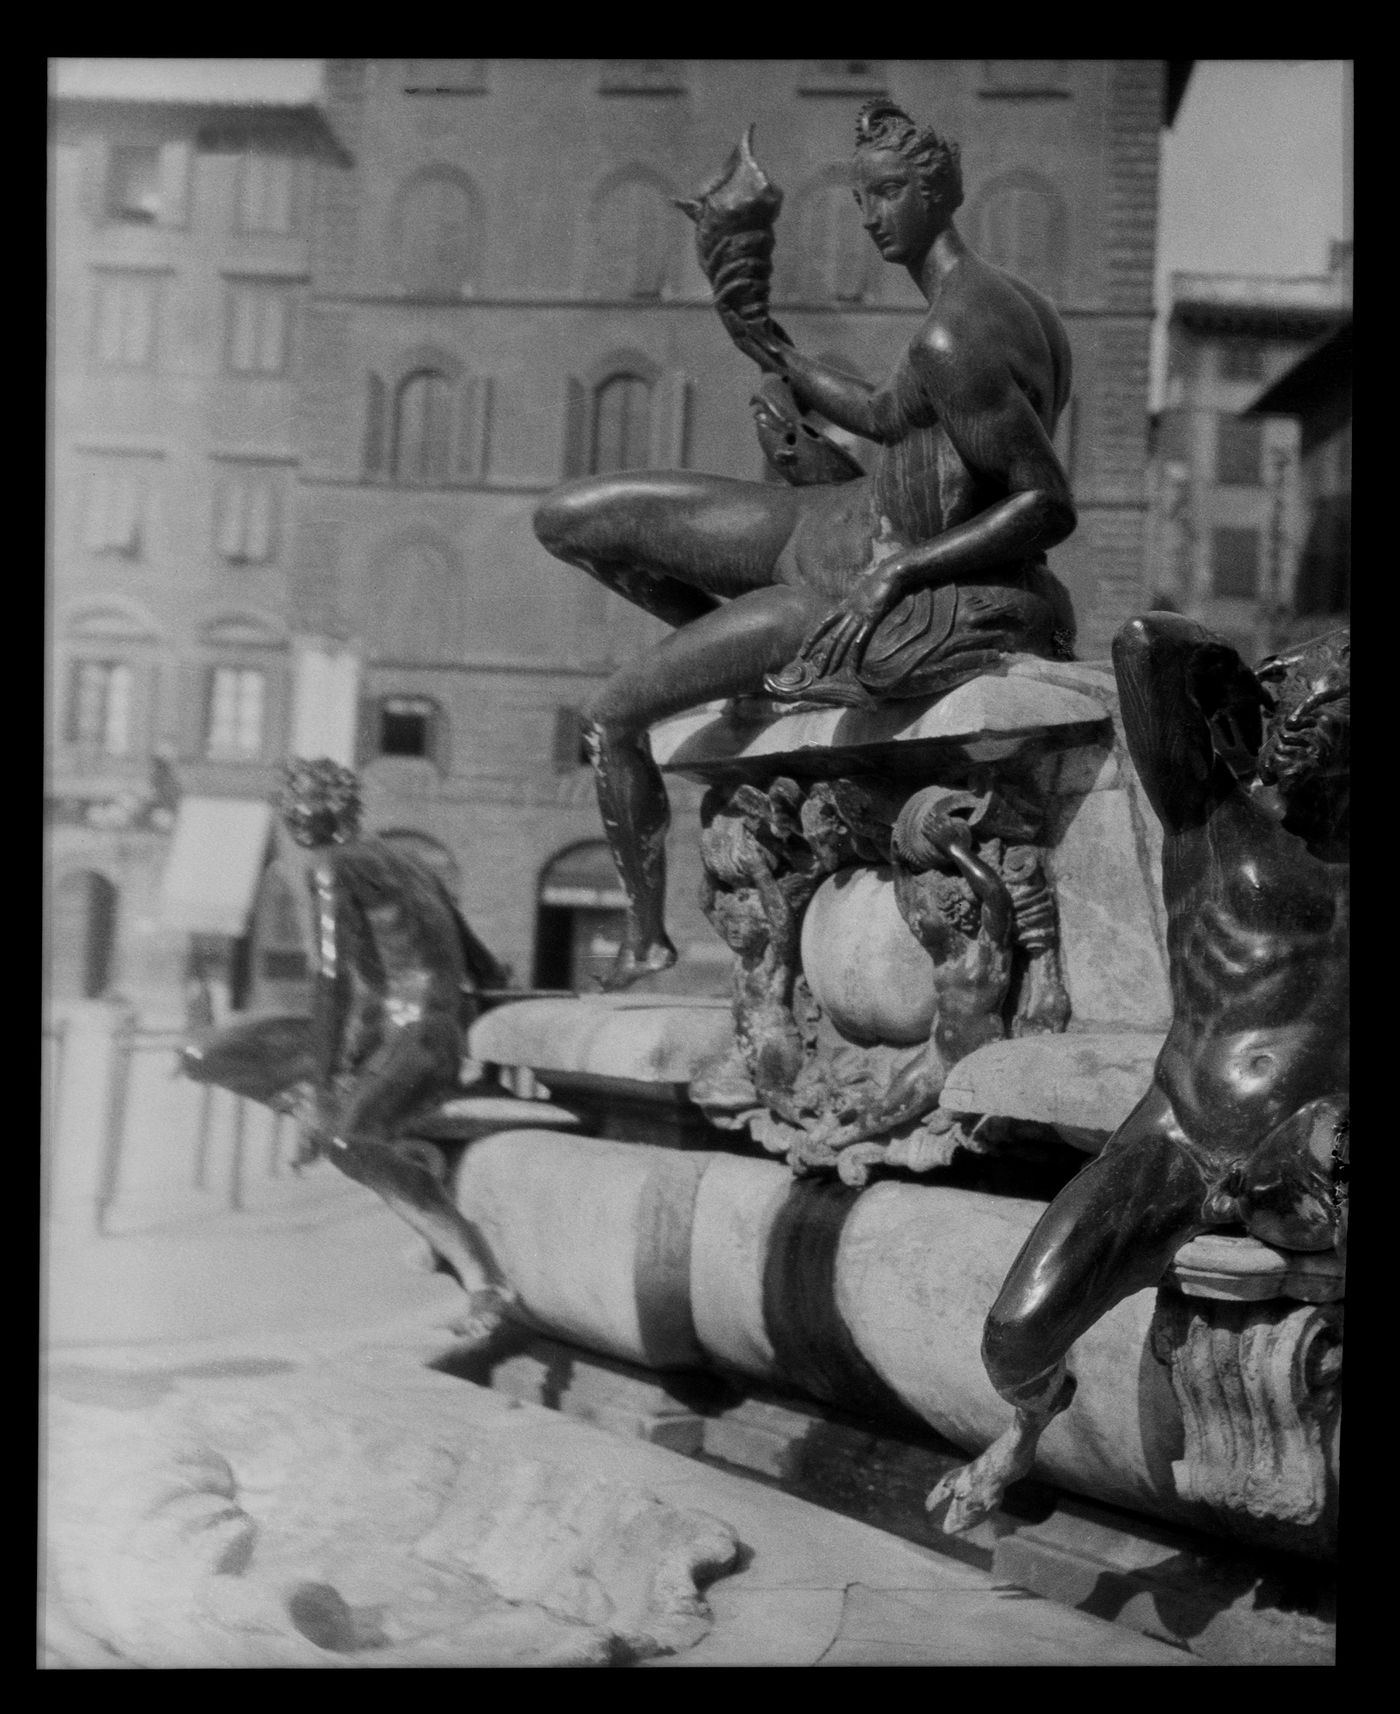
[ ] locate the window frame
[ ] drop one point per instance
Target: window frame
(1051, 277)
(124, 214)
(239, 670)
(807, 277)
(127, 281)
(402, 227)
(611, 261)
(83, 667)
(295, 164)
(232, 473)
(436, 438)
(128, 478)
(425, 708)
(647, 383)
(271, 288)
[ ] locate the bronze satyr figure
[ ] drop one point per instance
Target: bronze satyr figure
(903, 582)
(1245, 1124)
(396, 969)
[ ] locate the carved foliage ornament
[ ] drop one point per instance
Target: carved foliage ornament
(968, 883)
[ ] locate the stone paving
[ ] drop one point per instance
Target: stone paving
(321, 1279)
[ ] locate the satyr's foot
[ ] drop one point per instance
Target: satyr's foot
(632, 963)
(976, 1489)
(486, 1310)
(1044, 1007)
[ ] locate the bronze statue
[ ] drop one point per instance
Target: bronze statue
(396, 977)
(1246, 1120)
(838, 587)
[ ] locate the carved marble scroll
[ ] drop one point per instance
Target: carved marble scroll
(1259, 1386)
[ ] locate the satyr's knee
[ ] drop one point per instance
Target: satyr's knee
(562, 519)
(1017, 1346)
(615, 717)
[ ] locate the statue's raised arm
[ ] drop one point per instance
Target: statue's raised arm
(842, 586)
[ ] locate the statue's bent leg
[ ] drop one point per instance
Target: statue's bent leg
(260, 1058)
(670, 542)
(726, 652)
(415, 1065)
(1110, 1232)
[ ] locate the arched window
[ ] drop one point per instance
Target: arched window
(621, 427)
(242, 675)
(106, 681)
(582, 914)
(1018, 222)
(435, 234)
(829, 254)
(99, 706)
(427, 421)
(84, 936)
(635, 232)
(422, 437)
(416, 610)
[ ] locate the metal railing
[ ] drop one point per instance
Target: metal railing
(128, 1133)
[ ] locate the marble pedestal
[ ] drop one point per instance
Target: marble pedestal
(1213, 1400)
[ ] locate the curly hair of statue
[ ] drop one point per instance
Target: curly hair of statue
(880, 124)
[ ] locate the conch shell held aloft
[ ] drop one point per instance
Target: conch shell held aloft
(734, 216)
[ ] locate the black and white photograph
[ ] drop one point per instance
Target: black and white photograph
(696, 862)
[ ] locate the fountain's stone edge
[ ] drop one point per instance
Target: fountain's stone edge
(318, 1519)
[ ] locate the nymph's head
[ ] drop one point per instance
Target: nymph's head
(319, 802)
(908, 181)
(1307, 733)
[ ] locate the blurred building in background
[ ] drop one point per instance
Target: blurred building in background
(319, 351)
(1230, 520)
(182, 214)
(1316, 393)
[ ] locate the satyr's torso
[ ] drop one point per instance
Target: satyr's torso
(1257, 939)
(398, 945)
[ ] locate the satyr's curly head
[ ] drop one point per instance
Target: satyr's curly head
(936, 161)
(318, 801)
(1307, 735)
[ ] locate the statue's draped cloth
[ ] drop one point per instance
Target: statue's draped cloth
(937, 639)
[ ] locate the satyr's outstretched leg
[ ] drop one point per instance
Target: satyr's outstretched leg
(1110, 1232)
(262, 1059)
(403, 1077)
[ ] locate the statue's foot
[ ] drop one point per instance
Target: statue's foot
(634, 962)
(486, 1311)
(1045, 1012)
(975, 1490)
